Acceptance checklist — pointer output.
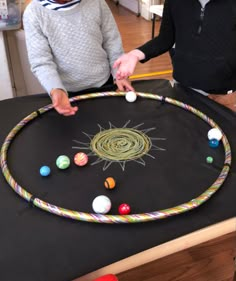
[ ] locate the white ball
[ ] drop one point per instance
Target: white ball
(101, 204)
(214, 133)
(130, 96)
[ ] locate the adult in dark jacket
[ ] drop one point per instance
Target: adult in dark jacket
(204, 59)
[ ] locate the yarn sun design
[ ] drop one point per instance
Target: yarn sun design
(120, 145)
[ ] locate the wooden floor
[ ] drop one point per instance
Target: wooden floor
(209, 261)
(135, 31)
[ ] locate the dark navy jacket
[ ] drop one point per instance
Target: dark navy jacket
(205, 43)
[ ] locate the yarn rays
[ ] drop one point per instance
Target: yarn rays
(120, 145)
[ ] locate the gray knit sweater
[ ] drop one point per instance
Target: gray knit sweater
(73, 49)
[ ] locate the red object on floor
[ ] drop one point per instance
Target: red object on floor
(108, 277)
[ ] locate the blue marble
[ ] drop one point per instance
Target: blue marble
(213, 143)
(45, 171)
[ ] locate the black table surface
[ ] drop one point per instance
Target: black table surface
(36, 245)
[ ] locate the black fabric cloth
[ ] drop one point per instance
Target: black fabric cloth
(205, 43)
(36, 245)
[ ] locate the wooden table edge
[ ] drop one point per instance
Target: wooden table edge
(187, 241)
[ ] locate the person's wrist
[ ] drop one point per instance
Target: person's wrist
(56, 91)
(138, 54)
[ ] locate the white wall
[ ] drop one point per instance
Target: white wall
(6, 90)
(132, 5)
(139, 6)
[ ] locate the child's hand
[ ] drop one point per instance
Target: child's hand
(124, 85)
(228, 100)
(61, 103)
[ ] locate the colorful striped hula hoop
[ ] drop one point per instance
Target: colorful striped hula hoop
(132, 218)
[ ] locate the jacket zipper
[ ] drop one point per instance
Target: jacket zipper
(201, 21)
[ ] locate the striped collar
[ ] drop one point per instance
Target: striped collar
(53, 5)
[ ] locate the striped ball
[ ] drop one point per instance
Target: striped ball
(110, 183)
(63, 162)
(80, 159)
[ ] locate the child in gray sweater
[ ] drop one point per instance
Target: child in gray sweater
(72, 45)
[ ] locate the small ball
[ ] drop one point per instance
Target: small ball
(213, 143)
(63, 162)
(45, 171)
(107, 277)
(101, 204)
(214, 133)
(209, 160)
(110, 183)
(80, 159)
(124, 209)
(130, 96)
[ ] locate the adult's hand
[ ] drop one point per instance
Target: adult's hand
(126, 64)
(61, 102)
(228, 100)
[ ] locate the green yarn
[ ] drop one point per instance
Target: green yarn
(120, 144)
